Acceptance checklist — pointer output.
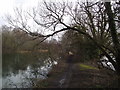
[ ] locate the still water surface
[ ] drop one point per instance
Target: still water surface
(24, 70)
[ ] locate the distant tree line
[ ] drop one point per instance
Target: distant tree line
(15, 40)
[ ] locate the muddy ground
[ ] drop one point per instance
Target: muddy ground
(79, 75)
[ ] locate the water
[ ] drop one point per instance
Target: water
(0, 76)
(24, 70)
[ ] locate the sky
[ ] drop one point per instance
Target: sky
(7, 7)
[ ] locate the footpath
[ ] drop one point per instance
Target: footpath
(79, 75)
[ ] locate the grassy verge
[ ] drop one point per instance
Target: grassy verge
(84, 67)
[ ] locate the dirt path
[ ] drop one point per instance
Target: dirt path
(66, 78)
(79, 75)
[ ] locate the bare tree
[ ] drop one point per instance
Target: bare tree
(113, 31)
(87, 18)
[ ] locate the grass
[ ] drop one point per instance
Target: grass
(83, 67)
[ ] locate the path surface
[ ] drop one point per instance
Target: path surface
(74, 76)
(77, 77)
(66, 78)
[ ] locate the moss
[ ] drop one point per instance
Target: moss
(83, 67)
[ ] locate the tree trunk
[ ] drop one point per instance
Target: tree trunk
(114, 36)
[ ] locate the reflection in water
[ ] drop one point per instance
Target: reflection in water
(22, 71)
(0, 76)
(0, 82)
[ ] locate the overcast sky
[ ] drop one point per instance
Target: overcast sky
(7, 7)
